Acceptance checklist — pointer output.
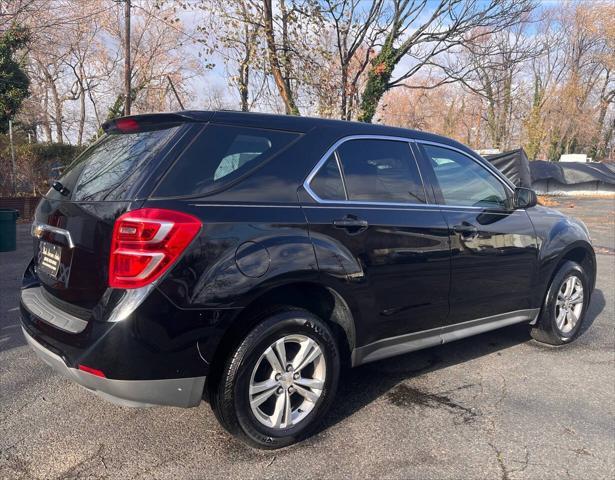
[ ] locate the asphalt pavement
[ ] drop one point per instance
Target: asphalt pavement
(498, 405)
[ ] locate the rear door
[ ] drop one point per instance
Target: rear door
(370, 203)
(493, 248)
(74, 221)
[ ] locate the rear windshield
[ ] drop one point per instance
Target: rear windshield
(109, 169)
(219, 155)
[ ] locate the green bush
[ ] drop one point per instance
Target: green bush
(36, 164)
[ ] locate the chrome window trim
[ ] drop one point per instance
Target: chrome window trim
(341, 172)
(333, 150)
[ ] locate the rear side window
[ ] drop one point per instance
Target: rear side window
(109, 169)
(219, 155)
(381, 171)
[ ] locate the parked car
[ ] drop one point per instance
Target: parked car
(247, 258)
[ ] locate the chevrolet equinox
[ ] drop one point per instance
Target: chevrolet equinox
(246, 258)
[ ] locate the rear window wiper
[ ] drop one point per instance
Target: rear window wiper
(60, 188)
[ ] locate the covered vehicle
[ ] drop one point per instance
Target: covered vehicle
(515, 165)
(562, 177)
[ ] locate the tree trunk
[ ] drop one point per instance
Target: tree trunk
(81, 117)
(57, 104)
(377, 84)
(344, 92)
(127, 67)
(244, 78)
(46, 125)
(274, 62)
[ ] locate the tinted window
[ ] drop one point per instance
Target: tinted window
(463, 181)
(109, 169)
(381, 171)
(327, 183)
(219, 155)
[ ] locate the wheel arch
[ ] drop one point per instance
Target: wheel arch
(323, 301)
(580, 252)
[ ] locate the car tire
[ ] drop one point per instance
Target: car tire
(556, 323)
(296, 387)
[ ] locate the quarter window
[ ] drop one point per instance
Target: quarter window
(464, 182)
(380, 171)
(327, 183)
(219, 155)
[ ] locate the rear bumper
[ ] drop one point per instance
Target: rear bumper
(179, 392)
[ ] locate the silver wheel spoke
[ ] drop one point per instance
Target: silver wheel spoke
(278, 412)
(261, 398)
(306, 356)
(287, 409)
(273, 360)
(568, 289)
(307, 394)
(304, 350)
(561, 318)
(280, 349)
(310, 383)
(572, 319)
(259, 387)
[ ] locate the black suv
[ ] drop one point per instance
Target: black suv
(246, 258)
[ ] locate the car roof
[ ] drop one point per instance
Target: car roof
(298, 124)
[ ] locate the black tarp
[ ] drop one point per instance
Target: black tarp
(550, 177)
(515, 165)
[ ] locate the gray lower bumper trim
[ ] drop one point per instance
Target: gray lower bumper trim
(178, 392)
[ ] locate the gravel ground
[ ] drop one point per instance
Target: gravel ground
(494, 406)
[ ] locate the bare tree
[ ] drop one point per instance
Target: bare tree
(356, 33)
(422, 33)
(490, 67)
(234, 28)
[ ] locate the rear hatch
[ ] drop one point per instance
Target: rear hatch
(74, 222)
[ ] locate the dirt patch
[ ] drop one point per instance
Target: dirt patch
(547, 201)
(408, 397)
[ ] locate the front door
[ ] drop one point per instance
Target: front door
(493, 248)
(370, 202)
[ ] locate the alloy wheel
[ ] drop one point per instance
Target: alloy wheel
(287, 381)
(569, 304)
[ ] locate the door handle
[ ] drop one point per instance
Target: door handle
(466, 230)
(351, 223)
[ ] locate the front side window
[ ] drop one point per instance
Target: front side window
(464, 182)
(219, 155)
(380, 171)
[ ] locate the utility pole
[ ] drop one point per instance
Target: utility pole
(127, 69)
(181, 105)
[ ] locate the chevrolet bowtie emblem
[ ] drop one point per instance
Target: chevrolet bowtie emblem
(37, 231)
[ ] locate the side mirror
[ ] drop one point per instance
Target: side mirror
(524, 198)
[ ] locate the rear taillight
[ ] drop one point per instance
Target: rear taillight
(146, 243)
